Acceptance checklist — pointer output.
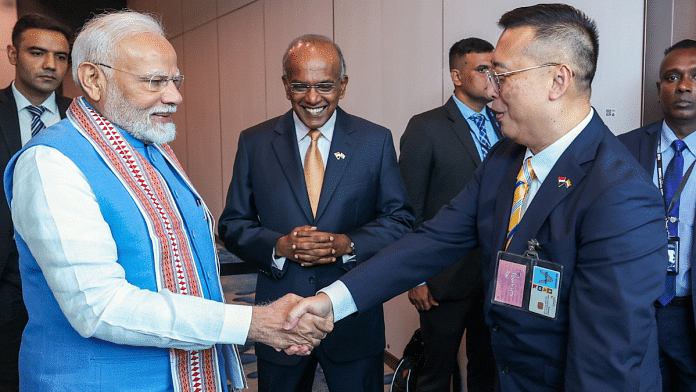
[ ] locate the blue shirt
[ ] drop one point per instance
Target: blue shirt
(490, 132)
(686, 199)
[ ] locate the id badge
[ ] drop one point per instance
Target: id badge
(526, 283)
(672, 255)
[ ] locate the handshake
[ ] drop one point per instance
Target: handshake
(292, 324)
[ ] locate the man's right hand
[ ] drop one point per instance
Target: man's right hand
(307, 246)
(422, 298)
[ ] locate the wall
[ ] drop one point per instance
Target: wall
(8, 18)
(230, 52)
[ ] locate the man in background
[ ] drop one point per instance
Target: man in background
(570, 303)
(314, 193)
(39, 51)
(674, 139)
(117, 253)
(440, 151)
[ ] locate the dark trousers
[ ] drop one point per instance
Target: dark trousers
(366, 375)
(677, 339)
(12, 323)
(442, 328)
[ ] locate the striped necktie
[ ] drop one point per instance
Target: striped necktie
(673, 176)
(482, 136)
(524, 178)
(314, 170)
(36, 124)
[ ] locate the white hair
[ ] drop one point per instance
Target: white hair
(96, 42)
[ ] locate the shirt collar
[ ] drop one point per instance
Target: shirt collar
(326, 130)
(50, 102)
(544, 161)
(467, 111)
(667, 137)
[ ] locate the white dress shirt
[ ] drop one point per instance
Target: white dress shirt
(56, 213)
(49, 117)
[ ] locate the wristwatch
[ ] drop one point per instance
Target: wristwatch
(352, 249)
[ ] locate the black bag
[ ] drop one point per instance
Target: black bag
(406, 373)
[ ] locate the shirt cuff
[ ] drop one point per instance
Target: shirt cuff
(341, 300)
(278, 262)
(236, 324)
(348, 258)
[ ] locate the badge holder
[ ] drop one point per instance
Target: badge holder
(673, 255)
(527, 283)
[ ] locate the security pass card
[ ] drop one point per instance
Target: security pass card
(510, 281)
(543, 298)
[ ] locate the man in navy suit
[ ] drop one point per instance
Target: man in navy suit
(440, 151)
(675, 309)
(304, 231)
(39, 51)
(596, 217)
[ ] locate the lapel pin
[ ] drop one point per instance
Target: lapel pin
(339, 155)
(563, 181)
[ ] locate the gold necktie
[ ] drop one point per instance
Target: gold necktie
(524, 178)
(314, 170)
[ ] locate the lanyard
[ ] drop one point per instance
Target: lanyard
(660, 179)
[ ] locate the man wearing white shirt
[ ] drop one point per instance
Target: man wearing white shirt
(39, 51)
(571, 228)
(117, 253)
(305, 212)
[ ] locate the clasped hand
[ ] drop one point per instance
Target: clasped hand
(269, 325)
(307, 246)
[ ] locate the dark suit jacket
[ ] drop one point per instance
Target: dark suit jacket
(642, 143)
(607, 231)
(10, 143)
(363, 196)
(438, 158)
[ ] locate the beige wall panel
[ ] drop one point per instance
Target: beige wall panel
(393, 55)
(8, 18)
(283, 22)
(227, 6)
(143, 5)
(203, 113)
(242, 80)
(169, 10)
(684, 17)
(179, 145)
(196, 13)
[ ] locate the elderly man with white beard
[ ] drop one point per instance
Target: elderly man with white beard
(116, 247)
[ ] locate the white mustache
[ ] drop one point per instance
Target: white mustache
(164, 109)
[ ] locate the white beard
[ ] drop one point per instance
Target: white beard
(135, 121)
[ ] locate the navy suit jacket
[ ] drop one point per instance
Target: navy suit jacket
(642, 143)
(363, 197)
(438, 159)
(607, 231)
(10, 143)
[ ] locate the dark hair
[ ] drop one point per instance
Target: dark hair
(36, 21)
(467, 45)
(315, 39)
(683, 44)
(559, 27)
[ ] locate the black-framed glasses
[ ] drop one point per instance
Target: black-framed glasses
(494, 77)
(303, 88)
(155, 83)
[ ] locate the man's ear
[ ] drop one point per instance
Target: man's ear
(456, 77)
(12, 54)
(92, 81)
(562, 78)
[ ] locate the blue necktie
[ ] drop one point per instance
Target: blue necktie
(36, 124)
(482, 136)
(673, 176)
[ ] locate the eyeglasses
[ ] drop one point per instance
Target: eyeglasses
(494, 77)
(155, 83)
(303, 88)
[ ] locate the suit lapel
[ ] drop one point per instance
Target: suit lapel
(9, 121)
(288, 155)
(648, 150)
(503, 203)
(461, 127)
(340, 154)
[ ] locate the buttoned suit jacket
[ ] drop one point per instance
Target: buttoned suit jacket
(438, 158)
(10, 143)
(607, 231)
(642, 143)
(363, 196)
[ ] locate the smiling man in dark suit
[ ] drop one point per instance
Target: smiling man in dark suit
(563, 185)
(675, 308)
(440, 151)
(39, 51)
(314, 193)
